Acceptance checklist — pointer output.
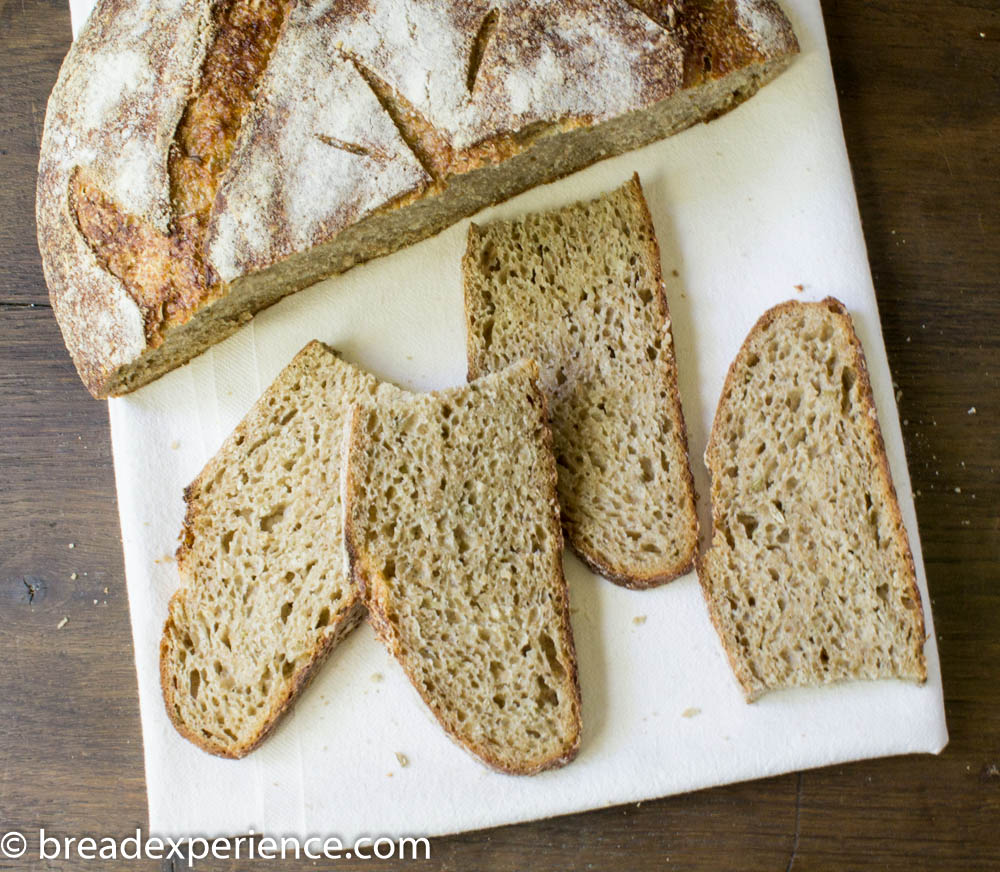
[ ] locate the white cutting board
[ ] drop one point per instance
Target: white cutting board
(746, 208)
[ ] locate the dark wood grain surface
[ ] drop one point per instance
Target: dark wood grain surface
(919, 85)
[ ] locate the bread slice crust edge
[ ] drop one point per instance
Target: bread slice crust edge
(476, 368)
(349, 613)
(371, 586)
(751, 686)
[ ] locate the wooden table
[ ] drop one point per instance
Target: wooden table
(919, 85)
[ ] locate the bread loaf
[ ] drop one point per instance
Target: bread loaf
(580, 290)
(809, 578)
(265, 594)
(201, 159)
(452, 531)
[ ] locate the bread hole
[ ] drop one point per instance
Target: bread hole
(496, 670)
(227, 539)
(273, 517)
(730, 541)
(646, 295)
(825, 333)
(549, 650)
(794, 400)
(499, 700)
(461, 542)
(783, 537)
(389, 569)
(847, 379)
(751, 600)
(291, 413)
(650, 548)
(546, 695)
(286, 610)
(749, 523)
(324, 618)
(824, 658)
(882, 592)
(194, 679)
(907, 602)
(230, 733)
(560, 377)
(752, 360)
(224, 639)
(651, 352)
(287, 668)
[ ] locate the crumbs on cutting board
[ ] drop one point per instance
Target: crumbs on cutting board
(62, 623)
(691, 712)
(639, 620)
(402, 758)
(800, 287)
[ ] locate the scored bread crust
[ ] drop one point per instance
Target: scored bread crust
(350, 611)
(752, 686)
(123, 135)
(477, 366)
(371, 585)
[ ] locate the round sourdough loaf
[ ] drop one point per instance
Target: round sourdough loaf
(203, 158)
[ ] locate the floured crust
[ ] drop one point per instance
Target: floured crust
(750, 683)
(462, 87)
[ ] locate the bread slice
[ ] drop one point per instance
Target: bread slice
(580, 290)
(264, 594)
(809, 578)
(452, 530)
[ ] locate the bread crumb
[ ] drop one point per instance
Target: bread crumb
(690, 712)
(388, 775)
(73, 576)
(639, 619)
(972, 410)
(175, 445)
(377, 677)
(95, 602)
(674, 273)
(800, 288)
(105, 590)
(62, 623)
(72, 545)
(402, 758)
(958, 490)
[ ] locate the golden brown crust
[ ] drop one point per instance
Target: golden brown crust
(372, 588)
(167, 274)
(739, 667)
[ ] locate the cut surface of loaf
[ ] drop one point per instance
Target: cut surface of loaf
(264, 594)
(809, 578)
(579, 289)
(200, 160)
(452, 531)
